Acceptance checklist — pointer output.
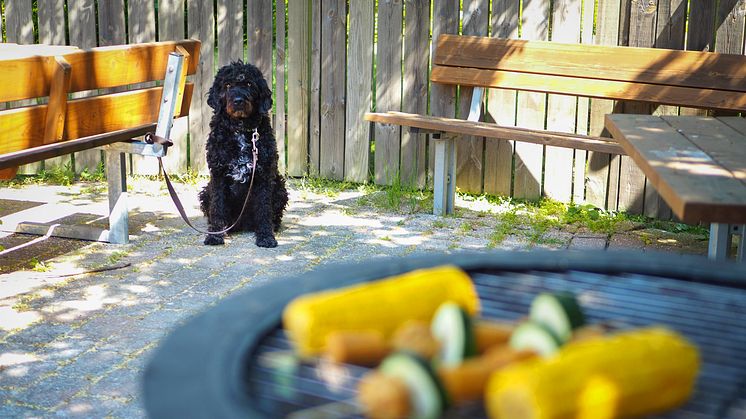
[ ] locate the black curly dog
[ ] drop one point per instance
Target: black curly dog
(240, 99)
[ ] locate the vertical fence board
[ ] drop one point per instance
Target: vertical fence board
(501, 108)
(597, 171)
(298, 55)
(82, 14)
(51, 15)
(561, 109)
(359, 90)
(259, 36)
(19, 29)
(314, 125)
(171, 27)
(442, 97)
(669, 34)
(583, 114)
(280, 122)
(141, 23)
(469, 150)
(111, 27)
(230, 31)
(201, 26)
(388, 89)
(731, 16)
(332, 99)
(416, 58)
(701, 31)
(642, 33)
(532, 109)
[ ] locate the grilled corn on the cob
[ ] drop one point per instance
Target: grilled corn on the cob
(379, 305)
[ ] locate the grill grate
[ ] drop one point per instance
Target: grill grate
(709, 315)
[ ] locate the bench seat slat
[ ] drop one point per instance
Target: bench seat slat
(484, 129)
(640, 65)
(605, 89)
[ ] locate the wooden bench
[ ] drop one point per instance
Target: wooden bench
(655, 76)
(119, 110)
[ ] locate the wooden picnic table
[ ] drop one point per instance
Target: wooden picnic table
(697, 164)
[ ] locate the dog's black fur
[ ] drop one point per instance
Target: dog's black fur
(241, 100)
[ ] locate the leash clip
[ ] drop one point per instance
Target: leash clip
(254, 139)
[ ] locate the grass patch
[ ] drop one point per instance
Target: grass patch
(39, 266)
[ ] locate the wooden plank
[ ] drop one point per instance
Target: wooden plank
(259, 34)
(99, 114)
(445, 19)
(298, 54)
(333, 53)
(230, 31)
(598, 170)
(416, 60)
(65, 147)
(314, 125)
(670, 29)
(527, 181)
(359, 90)
(10, 172)
(583, 113)
(501, 108)
(22, 128)
(716, 137)
(51, 22)
(604, 89)
(51, 15)
(561, 109)
(469, 151)
(730, 33)
(19, 28)
(694, 185)
(201, 26)
(26, 74)
(171, 28)
(642, 33)
(279, 71)
(490, 130)
(388, 90)
(141, 24)
(701, 31)
(56, 108)
(643, 65)
(111, 23)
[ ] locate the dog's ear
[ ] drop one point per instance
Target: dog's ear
(265, 96)
(213, 97)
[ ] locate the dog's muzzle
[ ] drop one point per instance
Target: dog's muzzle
(239, 103)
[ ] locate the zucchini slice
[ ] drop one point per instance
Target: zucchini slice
(535, 336)
(560, 312)
(452, 327)
(426, 393)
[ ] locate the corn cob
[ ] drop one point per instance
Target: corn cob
(380, 305)
(633, 373)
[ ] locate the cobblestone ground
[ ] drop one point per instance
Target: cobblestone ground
(73, 343)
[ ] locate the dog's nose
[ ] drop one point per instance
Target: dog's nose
(238, 101)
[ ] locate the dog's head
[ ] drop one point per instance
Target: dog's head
(240, 91)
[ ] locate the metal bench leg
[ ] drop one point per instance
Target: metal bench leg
(720, 241)
(116, 175)
(444, 182)
(741, 254)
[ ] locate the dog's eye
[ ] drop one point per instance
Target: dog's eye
(227, 85)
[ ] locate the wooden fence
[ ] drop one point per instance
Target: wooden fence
(333, 60)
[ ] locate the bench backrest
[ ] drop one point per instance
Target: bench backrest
(62, 71)
(671, 77)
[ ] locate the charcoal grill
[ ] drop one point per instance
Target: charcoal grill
(234, 360)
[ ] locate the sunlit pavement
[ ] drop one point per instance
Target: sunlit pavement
(74, 343)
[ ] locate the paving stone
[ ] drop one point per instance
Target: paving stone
(12, 410)
(91, 407)
(588, 243)
(122, 383)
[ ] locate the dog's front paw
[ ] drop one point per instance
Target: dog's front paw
(266, 241)
(213, 240)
